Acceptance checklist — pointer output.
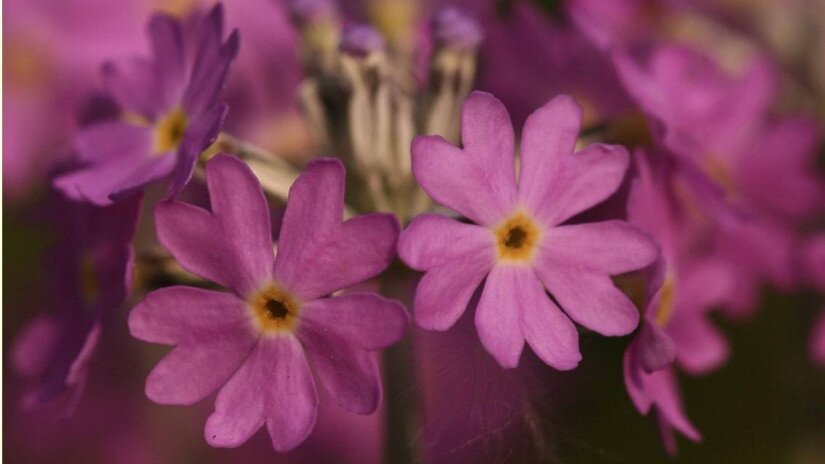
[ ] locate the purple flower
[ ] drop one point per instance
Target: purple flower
(253, 343)
(518, 242)
(680, 292)
(170, 112)
(90, 272)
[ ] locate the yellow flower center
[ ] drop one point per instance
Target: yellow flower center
(516, 238)
(274, 310)
(667, 302)
(169, 131)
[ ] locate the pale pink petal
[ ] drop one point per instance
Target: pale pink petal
(349, 254)
(231, 246)
(588, 297)
(443, 293)
(173, 314)
(477, 181)
(366, 320)
(548, 331)
(582, 180)
(609, 247)
(498, 315)
(656, 349)
(547, 140)
(199, 365)
(348, 373)
(700, 347)
(432, 240)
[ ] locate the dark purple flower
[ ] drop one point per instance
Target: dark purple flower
(90, 273)
(253, 343)
(518, 242)
(170, 112)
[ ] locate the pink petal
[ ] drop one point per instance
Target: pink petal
(349, 254)
(292, 404)
(432, 240)
(348, 373)
(478, 181)
(548, 331)
(365, 320)
(174, 314)
(232, 246)
(547, 140)
(33, 348)
(588, 297)
(273, 386)
(700, 347)
(498, 318)
(655, 348)
(199, 366)
(658, 390)
(443, 293)
(609, 247)
(581, 181)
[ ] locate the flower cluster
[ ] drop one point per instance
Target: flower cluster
(510, 179)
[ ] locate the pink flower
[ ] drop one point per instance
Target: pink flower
(253, 343)
(517, 241)
(681, 290)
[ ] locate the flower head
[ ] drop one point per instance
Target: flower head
(89, 271)
(253, 342)
(518, 240)
(169, 112)
(680, 292)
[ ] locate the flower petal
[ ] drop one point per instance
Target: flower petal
(366, 320)
(198, 137)
(443, 293)
(273, 386)
(700, 347)
(582, 180)
(174, 314)
(478, 181)
(548, 331)
(348, 373)
(432, 240)
(292, 405)
(548, 139)
(498, 315)
(166, 39)
(199, 366)
(347, 254)
(588, 297)
(232, 246)
(609, 247)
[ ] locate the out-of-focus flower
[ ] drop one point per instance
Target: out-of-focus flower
(253, 343)
(517, 242)
(680, 293)
(170, 112)
(720, 127)
(52, 51)
(90, 270)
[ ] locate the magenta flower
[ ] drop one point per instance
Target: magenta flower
(170, 112)
(518, 242)
(680, 293)
(253, 343)
(89, 272)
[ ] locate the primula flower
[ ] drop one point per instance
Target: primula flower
(170, 112)
(680, 293)
(518, 241)
(253, 343)
(90, 271)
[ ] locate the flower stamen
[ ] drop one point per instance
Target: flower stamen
(516, 238)
(274, 310)
(169, 131)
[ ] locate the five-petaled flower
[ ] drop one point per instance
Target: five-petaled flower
(253, 343)
(519, 241)
(169, 112)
